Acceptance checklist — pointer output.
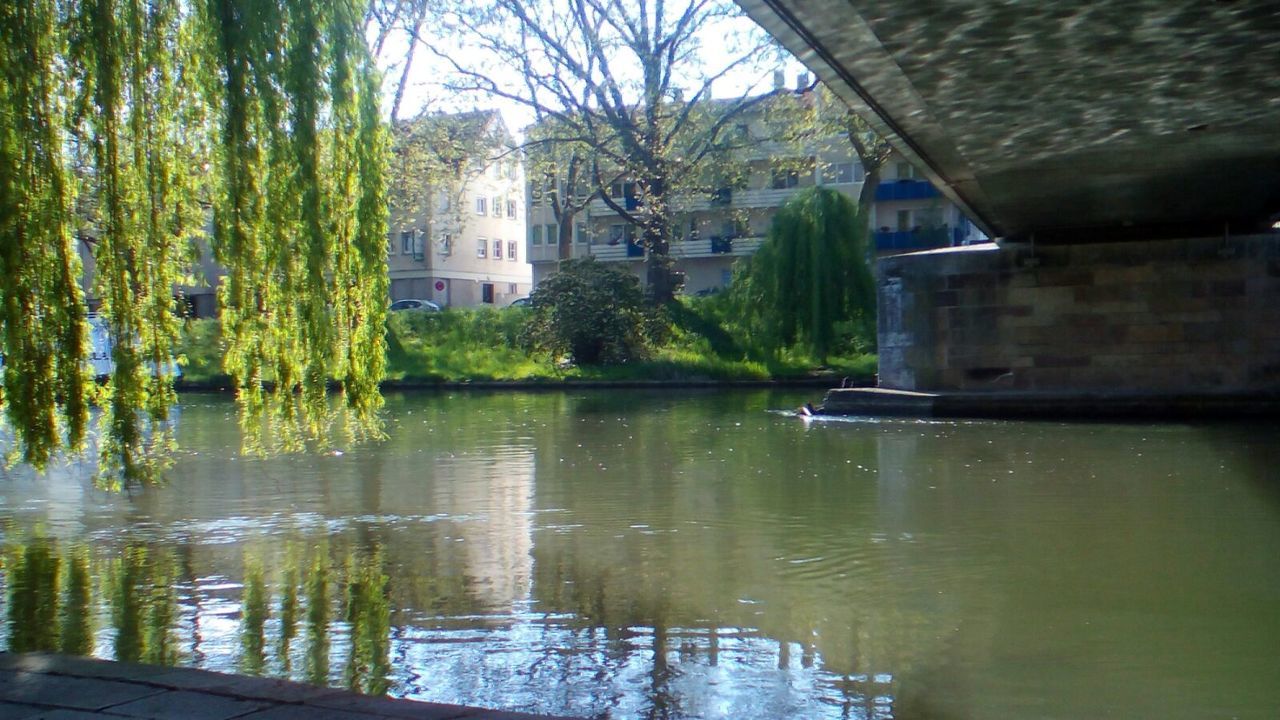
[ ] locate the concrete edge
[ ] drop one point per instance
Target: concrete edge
(266, 691)
(1051, 405)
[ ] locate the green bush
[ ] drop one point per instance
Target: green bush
(593, 313)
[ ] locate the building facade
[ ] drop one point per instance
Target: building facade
(715, 230)
(461, 242)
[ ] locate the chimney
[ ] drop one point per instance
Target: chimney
(779, 79)
(802, 81)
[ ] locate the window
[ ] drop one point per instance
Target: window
(444, 246)
(580, 232)
(511, 250)
(512, 288)
(406, 242)
(511, 209)
(621, 233)
(486, 293)
(481, 245)
(497, 206)
(443, 201)
(497, 249)
(784, 179)
(622, 190)
(535, 234)
(482, 207)
(553, 234)
(847, 172)
(905, 171)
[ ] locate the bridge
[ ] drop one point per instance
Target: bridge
(1124, 153)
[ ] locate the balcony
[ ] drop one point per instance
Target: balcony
(620, 251)
(905, 190)
(917, 239)
(719, 246)
(715, 247)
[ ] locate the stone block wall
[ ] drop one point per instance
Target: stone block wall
(1187, 316)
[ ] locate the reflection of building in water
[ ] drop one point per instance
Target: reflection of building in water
(491, 500)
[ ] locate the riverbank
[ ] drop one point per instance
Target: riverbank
(40, 685)
(483, 348)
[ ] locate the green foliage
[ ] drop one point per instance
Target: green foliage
(705, 342)
(809, 283)
(463, 344)
(591, 312)
(720, 328)
(42, 312)
(200, 352)
(267, 110)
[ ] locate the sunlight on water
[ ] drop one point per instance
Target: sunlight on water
(707, 555)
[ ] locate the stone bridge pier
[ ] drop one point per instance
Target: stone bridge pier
(1183, 316)
(1124, 154)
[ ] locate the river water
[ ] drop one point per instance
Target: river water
(684, 555)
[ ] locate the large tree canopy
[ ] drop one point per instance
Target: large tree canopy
(619, 91)
(136, 125)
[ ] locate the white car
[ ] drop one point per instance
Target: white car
(425, 305)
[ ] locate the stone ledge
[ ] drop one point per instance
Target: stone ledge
(1046, 405)
(61, 687)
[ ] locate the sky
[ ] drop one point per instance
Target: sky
(425, 88)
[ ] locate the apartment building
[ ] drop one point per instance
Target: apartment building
(715, 230)
(460, 241)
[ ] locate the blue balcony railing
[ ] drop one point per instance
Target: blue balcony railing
(918, 239)
(905, 190)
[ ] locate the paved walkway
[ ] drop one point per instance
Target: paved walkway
(61, 687)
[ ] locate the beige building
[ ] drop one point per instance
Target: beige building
(461, 243)
(714, 231)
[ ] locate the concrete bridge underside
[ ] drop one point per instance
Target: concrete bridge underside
(1125, 154)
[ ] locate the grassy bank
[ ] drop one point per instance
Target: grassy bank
(485, 344)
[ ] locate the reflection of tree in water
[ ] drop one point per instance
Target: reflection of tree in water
(253, 618)
(33, 574)
(686, 541)
(52, 601)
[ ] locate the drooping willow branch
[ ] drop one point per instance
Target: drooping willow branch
(265, 111)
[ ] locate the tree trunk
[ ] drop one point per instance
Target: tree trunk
(662, 282)
(404, 74)
(867, 195)
(564, 235)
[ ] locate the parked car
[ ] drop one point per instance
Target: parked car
(521, 302)
(424, 305)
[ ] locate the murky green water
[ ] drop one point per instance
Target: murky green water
(624, 554)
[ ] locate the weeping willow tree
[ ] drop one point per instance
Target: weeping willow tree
(135, 125)
(810, 277)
